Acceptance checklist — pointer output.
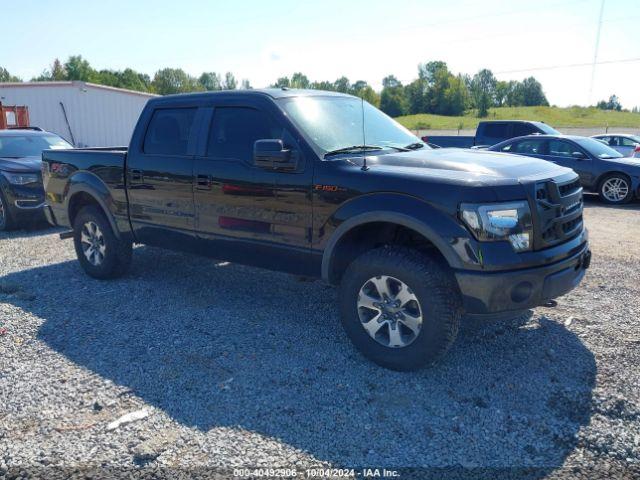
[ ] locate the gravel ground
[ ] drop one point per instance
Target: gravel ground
(240, 367)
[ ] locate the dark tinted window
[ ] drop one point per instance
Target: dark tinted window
(522, 129)
(528, 147)
(234, 131)
(168, 132)
(627, 142)
(496, 130)
(558, 148)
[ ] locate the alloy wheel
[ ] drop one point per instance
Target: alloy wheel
(615, 189)
(389, 311)
(92, 241)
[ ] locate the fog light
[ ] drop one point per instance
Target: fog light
(521, 292)
(520, 241)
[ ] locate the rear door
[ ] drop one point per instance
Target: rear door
(247, 213)
(160, 178)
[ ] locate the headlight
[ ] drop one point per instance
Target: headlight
(500, 221)
(20, 178)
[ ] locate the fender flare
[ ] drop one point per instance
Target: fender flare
(85, 182)
(390, 217)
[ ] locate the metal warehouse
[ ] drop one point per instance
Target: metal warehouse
(85, 114)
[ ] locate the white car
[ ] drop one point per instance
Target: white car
(627, 145)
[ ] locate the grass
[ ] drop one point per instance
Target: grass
(554, 116)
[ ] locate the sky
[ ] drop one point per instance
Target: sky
(553, 40)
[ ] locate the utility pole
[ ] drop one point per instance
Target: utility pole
(595, 53)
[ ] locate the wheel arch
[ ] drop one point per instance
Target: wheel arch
(86, 189)
(332, 265)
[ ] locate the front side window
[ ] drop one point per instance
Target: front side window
(523, 129)
(331, 123)
(528, 147)
(18, 146)
(234, 130)
(596, 148)
(558, 148)
(169, 130)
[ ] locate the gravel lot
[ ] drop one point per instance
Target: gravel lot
(244, 367)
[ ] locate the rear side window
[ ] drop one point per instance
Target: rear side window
(523, 129)
(496, 130)
(528, 147)
(627, 142)
(169, 130)
(234, 130)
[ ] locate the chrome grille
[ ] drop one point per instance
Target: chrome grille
(558, 212)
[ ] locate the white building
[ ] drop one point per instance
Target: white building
(85, 114)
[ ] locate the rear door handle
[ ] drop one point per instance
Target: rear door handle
(136, 176)
(203, 182)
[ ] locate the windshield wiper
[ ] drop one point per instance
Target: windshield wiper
(352, 148)
(414, 146)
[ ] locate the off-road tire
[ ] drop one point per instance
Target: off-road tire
(437, 292)
(117, 256)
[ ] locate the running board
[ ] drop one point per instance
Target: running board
(65, 235)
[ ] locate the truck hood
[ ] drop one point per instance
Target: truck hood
(22, 164)
(465, 165)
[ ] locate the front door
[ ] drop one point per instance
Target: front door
(245, 213)
(160, 179)
(566, 154)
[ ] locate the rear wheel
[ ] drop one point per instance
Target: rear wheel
(6, 221)
(615, 188)
(400, 308)
(101, 254)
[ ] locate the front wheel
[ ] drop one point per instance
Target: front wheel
(6, 221)
(615, 189)
(101, 254)
(399, 307)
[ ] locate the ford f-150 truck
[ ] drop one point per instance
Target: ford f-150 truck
(323, 184)
(491, 132)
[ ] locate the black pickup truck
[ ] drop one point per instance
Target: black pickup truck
(491, 132)
(284, 179)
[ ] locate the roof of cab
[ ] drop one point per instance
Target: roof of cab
(274, 93)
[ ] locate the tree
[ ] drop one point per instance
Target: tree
(532, 94)
(456, 96)
(363, 90)
(210, 81)
(299, 80)
(230, 82)
(245, 85)
(5, 76)
(77, 68)
(174, 80)
(393, 101)
(483, 86)
(612, 104)
(342, 85)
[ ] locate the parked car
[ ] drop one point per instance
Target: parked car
(21, 190)
(601, 169)
(627, 145)
(282, 179)
(491, 132)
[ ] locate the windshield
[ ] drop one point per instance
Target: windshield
(599, 149)
(333, 123)
(547, 129)
(17, 146)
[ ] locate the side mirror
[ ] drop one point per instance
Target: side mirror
(578, 155)
(271, 154)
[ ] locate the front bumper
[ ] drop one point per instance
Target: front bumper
(24, 201)
(494, 292)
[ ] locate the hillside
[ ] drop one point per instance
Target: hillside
(554, 116)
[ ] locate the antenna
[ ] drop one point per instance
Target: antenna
(364, 141)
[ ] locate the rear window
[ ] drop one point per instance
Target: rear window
(169, 130)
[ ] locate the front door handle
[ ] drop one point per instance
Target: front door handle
(203, 182)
